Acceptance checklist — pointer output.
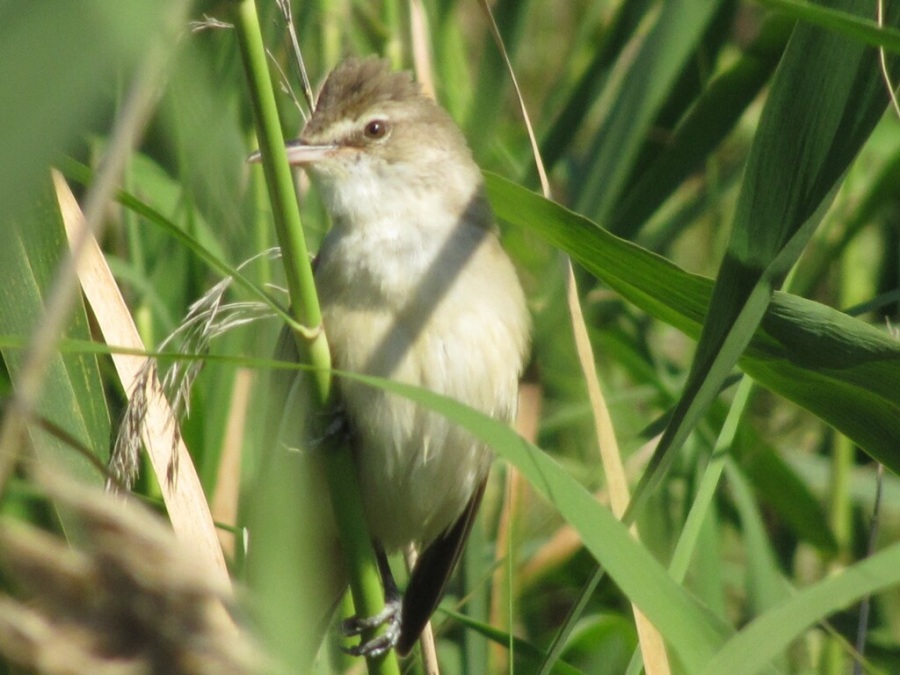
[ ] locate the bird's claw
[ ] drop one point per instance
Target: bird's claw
(337, 426)
(380, 644)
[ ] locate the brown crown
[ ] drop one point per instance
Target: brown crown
(356, 85)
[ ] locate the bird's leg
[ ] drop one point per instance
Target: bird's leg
(390, 615)
(338, 427)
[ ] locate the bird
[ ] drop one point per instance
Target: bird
(413, 286)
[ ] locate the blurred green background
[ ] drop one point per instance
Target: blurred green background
(717, 140)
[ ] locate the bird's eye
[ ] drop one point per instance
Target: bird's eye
(375, 129)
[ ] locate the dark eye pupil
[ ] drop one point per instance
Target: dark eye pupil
(375, 129)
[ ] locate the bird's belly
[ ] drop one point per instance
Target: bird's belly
(442, 312)
(417, 471)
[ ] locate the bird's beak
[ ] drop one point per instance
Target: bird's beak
(300, 153)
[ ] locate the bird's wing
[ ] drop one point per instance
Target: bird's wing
(432, 571)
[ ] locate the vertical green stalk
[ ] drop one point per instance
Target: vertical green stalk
(393, 48)
(260, 233)
(834, 658)
(289, 230)
(365, 587)
(855, 287)
(333, 16)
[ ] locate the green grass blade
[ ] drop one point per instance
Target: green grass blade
(60, 61)
(702, 130)
(662, 56)
(691, 630)
(578, 104)
(812, 126)
(777, 484)
(73, 397)
(770, 634)
(839, 368)
(493, 80)
(866, 31)
(524, 650)
(211, 258)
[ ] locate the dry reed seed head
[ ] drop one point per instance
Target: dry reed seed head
(28, 639)
(125, 460)
(207, 318)
(131, 597)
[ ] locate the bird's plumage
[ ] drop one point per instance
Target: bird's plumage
(415, 287)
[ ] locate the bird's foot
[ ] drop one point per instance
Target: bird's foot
(380, 644)
(336, 427)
